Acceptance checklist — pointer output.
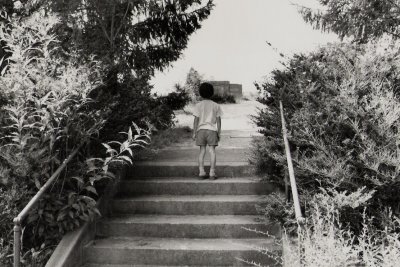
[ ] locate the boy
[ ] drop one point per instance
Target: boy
(207, 128)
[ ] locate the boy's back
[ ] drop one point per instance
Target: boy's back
(207, 127)
(207, 111)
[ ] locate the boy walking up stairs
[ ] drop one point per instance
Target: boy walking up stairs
(165, 216)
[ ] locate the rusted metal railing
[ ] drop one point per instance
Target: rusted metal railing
(32, 203)
(293, 185)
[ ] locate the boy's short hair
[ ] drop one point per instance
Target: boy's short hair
(206, 90)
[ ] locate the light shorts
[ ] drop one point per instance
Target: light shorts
(206, 137)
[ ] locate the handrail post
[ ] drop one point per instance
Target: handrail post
(21, 216)
(17, 242)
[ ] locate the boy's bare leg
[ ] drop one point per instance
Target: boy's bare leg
(213, 160)
(201, 160)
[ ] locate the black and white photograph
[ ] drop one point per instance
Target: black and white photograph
(199, 133)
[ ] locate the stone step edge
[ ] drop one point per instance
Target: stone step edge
(186, 219)
(193, 198)
(196, 180)
(156, 163)
(185, 244)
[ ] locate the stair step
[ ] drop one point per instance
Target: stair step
(183, 252)
(189, 204)
(194, 186)
(129, 265)
(188, 226)
(187, 169)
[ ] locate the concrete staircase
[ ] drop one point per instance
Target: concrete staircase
(165, 216)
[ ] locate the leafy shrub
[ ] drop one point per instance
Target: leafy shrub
(127, 102)
(342, 108)
(176, 100)
(46, 114)
(326, 242)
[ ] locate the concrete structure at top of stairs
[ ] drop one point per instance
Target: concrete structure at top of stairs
(223, 88)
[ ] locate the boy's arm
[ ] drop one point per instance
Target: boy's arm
(195, 125)
(219, 127)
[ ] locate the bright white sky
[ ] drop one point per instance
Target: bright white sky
(231, 45)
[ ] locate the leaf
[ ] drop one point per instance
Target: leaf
(91, 189)
(138, 130)
(129, 151)
(126, 158)
(37, 183)
(130, 134)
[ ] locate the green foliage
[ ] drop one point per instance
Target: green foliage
(46, 113)
(131, 102)
(361, 19)
(277, 209)
(176, 100)
(130, 35)
(192, 84)
(342, 109)
(325, 241)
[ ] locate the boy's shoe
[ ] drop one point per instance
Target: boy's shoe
(213, 177)
(203, 176)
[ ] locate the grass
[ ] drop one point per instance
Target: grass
(171, 136)
(164, 139)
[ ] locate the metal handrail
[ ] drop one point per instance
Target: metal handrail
(293, 185)
(32, 203)
(295, 195)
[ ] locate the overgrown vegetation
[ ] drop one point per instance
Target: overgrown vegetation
(79, 78)
(326, 240)
(342, 107)
(45, 114)
(361, 20)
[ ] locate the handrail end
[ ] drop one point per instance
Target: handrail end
(301, 221)
(17, 220)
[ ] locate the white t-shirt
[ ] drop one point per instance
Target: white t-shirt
(207, 111)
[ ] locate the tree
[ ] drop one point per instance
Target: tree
(362, 20)
(131, 36)
(193, 81)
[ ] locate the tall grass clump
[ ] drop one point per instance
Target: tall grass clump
(45, 113)
(325, 241)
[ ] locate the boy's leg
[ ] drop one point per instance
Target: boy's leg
(213, 161)
(201, 161)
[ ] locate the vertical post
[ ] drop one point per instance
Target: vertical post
(17, 242)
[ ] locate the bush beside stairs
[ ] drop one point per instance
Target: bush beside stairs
(164, 216)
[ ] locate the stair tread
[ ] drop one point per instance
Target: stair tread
(194, 198)
(221, 180)
(129, 265)
(188, 163)
(187, 219)
(187, 244)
